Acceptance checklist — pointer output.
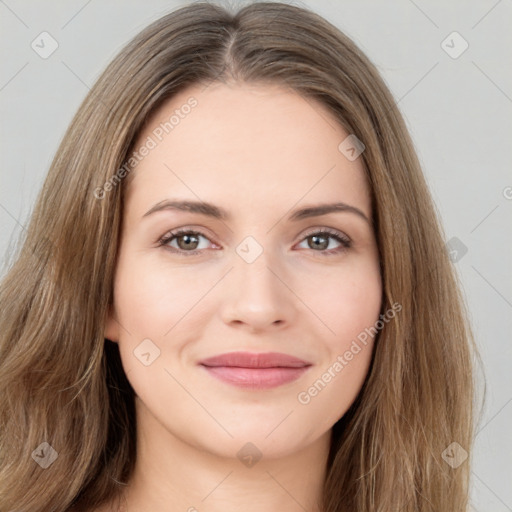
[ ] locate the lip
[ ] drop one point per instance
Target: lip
(255, 370)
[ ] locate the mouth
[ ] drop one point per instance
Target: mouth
(256, 371)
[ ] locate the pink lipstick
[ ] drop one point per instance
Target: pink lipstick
(256, 371)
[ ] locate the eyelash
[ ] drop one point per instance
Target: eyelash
(345, 242)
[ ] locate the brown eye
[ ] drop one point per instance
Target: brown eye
(318, 242)
(321, 242)
(184, 241)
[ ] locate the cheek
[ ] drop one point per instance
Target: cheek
(349, 304)
(152, 298)
(347, 300)
(160, 302)
(343, 300)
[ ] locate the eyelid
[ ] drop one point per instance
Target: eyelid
(203, 231)
(344, 240)
(170, 235)
(324, 229)
(173, 233)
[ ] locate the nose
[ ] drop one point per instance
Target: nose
(256, 296)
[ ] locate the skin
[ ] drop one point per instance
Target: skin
(260, 152)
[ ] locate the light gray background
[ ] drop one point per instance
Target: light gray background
(458, 111)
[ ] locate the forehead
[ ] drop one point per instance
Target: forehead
(246, 143)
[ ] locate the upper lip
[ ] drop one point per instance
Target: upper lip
(255, 360)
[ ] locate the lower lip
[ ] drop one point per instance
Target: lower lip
(256, 378)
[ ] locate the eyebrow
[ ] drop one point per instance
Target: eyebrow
(217, 212)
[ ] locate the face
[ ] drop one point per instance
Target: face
(238, 318)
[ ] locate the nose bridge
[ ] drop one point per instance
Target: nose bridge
(255, 295)
(252, 268)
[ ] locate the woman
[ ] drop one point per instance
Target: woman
(234, 291)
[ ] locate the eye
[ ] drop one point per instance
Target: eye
(187, 241)
(320, 240)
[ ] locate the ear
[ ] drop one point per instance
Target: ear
(111, 326)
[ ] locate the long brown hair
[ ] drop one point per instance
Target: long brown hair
(63, 383)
